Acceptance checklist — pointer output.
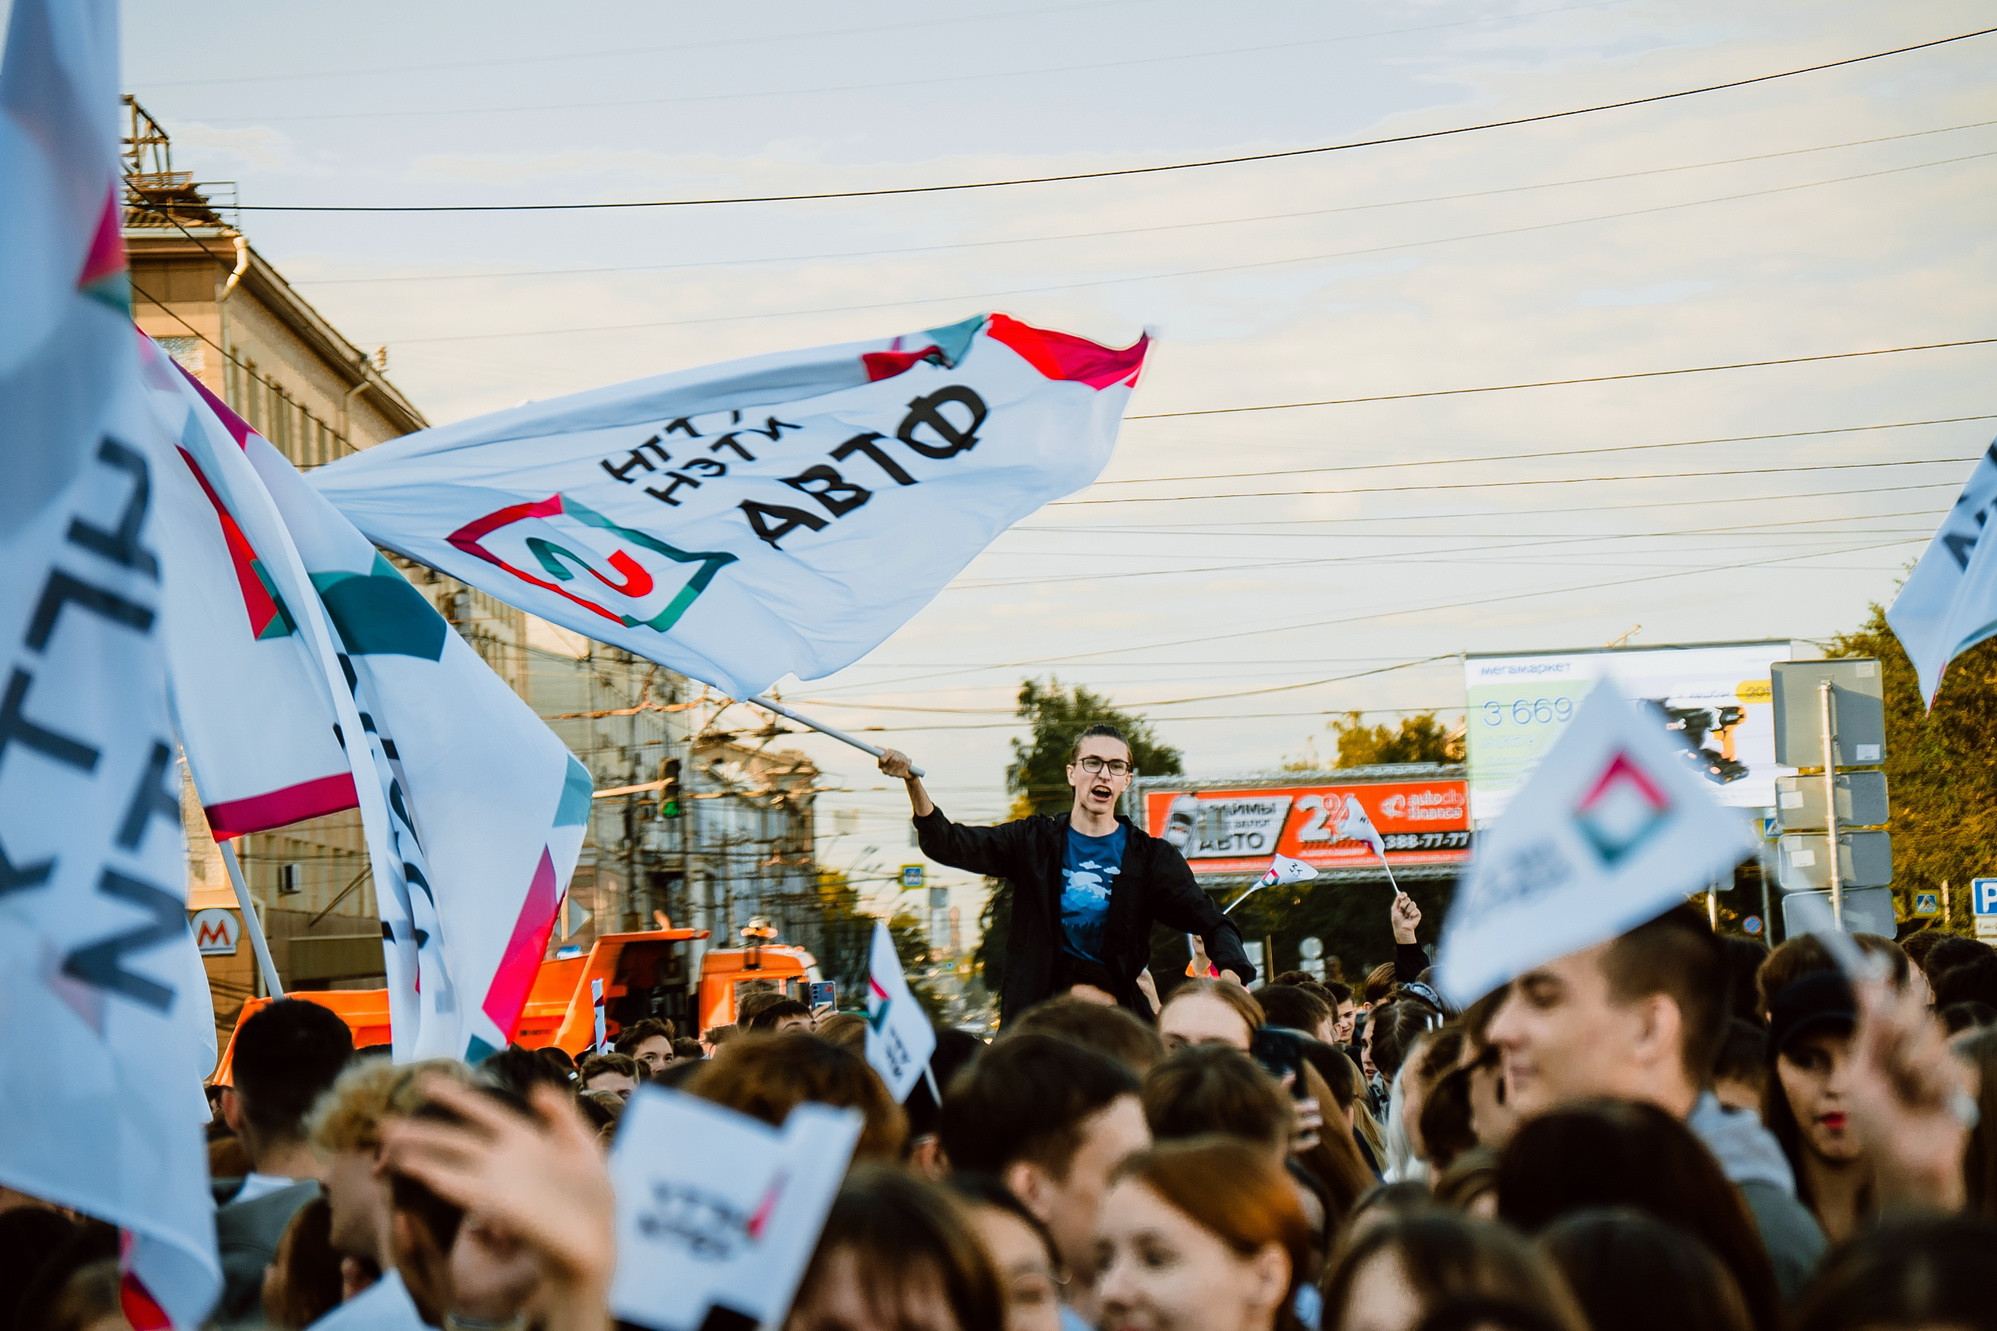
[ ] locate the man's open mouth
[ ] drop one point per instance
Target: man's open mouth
(1101, 792)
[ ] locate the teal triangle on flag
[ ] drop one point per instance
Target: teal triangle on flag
(577, 791)
(953, 340)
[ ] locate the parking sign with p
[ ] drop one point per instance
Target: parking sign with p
(1983, 900)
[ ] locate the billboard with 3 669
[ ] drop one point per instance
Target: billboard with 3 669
(1713, 696)
(1235, 829)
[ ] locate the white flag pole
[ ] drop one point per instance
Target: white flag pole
(1382, 853)
(760, 701)
(252, 924)
(1243, 897)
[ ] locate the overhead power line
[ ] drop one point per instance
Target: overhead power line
(1198, 164)
(1559, 383)
(1233, 635)
(1207, 270)
(956, 78)
(1550, 453)
(1504, 485)
(900, 250)
(1707, 502)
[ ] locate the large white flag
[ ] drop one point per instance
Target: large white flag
(1949, 602)
(1610, 830)
(98, 1065)
(253, 699)
(899, 1036)
(777, 515)
(474, 810)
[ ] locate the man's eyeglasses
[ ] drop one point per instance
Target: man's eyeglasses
(1095, 766)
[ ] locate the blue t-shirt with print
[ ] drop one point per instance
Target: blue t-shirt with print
(1087, 871)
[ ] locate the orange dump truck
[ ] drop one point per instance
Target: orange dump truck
(645, 974)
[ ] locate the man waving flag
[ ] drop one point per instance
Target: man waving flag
(98, 1065)
(778, 515)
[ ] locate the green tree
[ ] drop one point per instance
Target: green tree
(1037, 777)
(1416, 739)
(1940, 773)
(848, 932)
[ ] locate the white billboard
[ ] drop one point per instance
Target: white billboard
(1713, 695)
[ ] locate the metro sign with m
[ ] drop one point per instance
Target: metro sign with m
(217, 932)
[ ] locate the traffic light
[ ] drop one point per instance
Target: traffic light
(669, 793)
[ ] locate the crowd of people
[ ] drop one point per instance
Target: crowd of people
(1668, 1129)
(1671, 1129)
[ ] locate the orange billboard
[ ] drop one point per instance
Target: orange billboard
(1236, 829)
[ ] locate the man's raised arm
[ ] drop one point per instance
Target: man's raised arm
(987, 850)
(895, 763)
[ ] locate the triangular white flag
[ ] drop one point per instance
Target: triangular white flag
(1283, 871)
(1611, 830)
(1354, 825)
(899, 1036)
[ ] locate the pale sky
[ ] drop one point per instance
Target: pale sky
(1830, 212)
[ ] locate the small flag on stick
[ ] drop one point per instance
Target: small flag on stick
(1282, 871)
(899, 1036)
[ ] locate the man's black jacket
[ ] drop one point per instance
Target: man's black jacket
(1154, 886)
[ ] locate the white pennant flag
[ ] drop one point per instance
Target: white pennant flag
(778, 515)
(98, 1060)
(899, 1036)
(1611, 829)
(1283, 871)
(1949, 602)
(473, 808)
(1354, 825)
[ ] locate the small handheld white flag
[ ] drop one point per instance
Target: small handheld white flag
(1283, 871)
(899, 1036)
(717, 1213)
(1354, 825)
(1949, 602)
(738, 522)
(1611, 830)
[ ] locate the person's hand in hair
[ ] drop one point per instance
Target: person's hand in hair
(1912, 1100)
(538, 1179)
(1405, 916)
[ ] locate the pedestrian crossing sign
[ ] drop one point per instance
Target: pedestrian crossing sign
(1927, 903)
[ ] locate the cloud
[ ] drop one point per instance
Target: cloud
(251, 148)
